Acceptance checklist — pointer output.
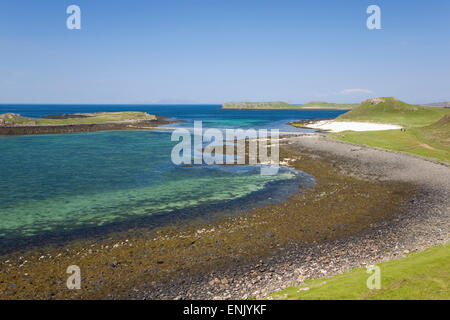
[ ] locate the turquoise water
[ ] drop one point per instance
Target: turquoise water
(52, 183)
(61, 184)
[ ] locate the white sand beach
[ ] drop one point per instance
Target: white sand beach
(339, 126)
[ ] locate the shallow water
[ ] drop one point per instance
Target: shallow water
(65, 183)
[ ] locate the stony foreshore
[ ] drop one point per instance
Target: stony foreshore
(368, 206)
(424, 221)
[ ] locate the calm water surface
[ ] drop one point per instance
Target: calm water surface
(70, 182)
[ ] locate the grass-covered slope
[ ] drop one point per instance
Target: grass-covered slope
(415, 141)
(427, 129)
(81, 118)
(438, 132)
(391, 110)
(423, 275)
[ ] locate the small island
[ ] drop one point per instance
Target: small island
(279, 105)
(445, 104)
(315, 105)
(257, 105)
(15, 124)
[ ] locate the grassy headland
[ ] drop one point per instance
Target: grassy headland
(15, 124)
(284, 105)
(427, 130)
(393, 111)
(422, 275)
(77, 118)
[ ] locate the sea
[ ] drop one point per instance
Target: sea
(65, 185)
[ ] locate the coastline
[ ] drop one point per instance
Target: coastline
(422, 222)
(273, 192)
(84, 127)
(331, 125)
(262, 251)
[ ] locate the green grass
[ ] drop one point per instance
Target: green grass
(418, 141)
(92, 118)
(424, 275)
(427, 129)
(395, 112)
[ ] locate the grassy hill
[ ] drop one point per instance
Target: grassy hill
(438, 131)
(422, 275)
(391, 110)
(443, 123)
(427, 129)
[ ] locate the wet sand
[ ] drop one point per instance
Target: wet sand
(368, 205)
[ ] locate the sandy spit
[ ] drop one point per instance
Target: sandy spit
(339, 126)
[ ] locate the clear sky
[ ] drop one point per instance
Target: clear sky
(213, 51)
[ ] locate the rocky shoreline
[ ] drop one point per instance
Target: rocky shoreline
(423, 222)
(293, 265)
(368, 206)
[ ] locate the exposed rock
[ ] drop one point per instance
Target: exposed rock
(376, 101)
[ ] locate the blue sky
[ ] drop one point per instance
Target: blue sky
(212, 51)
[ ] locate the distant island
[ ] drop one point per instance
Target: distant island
(257, 105)
(445, 104)
(327, 105)
(15, 124)
(283, 105)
